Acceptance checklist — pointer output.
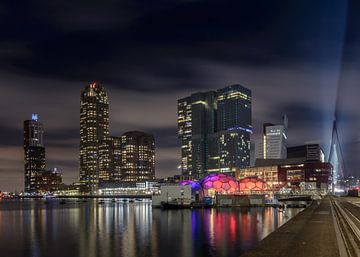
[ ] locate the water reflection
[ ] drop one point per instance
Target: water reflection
(33, 228)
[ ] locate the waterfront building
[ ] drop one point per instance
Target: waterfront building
(214, 128)
(48, 181)
(307, 175)
(273, 142)
(74, 189)
(34, 152)
(94, 135)
(145, 188)
(269, 174)
(219, 183)
(137, 157)
(175, 194)
(291, 173)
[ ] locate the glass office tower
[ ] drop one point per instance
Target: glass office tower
(214, 128)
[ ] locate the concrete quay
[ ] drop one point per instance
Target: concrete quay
(313, 232)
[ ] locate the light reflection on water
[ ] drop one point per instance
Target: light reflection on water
(32, 228)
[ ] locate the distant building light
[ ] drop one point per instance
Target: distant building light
(34, 117)
(241, 128)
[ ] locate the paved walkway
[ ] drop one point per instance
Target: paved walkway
(309, 234)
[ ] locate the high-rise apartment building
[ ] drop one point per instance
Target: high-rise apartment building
(214, 128)
(110, 160)
(234, 127)
(137, 157)
(104, 160)
(94, 134)
(184, 133)
(34, 152)
(115, 159)
(273, 142)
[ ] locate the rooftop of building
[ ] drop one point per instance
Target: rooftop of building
(288, 161)
(137, 133)
(274, 162)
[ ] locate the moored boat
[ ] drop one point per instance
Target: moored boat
(175, 205)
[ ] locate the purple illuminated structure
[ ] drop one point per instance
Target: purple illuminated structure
(219, 183)
(195, 186)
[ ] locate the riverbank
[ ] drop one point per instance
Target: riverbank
(310, 233)
(86, 196)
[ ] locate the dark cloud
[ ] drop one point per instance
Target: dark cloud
(165, 37)
(63, 137)
(10, 136)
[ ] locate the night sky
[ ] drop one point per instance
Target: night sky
(299, 58)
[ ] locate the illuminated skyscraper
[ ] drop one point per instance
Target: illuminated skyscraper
(203, 111)
(184, 133)
(214, 128)
(110, 161)
(34, 152)
(113, 168)
(273, 142)
(115, 157)
(138, 157)
(196, 121)
(234, 127)
(104, 160)
(94, 134)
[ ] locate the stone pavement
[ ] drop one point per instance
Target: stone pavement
(311, 233)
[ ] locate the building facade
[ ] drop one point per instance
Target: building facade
(94, 135)
(137, 157)
(115, 157)
(184, 134)
(272, 144)
(214, 128)
(307, 176)
(270, 174)
(276, 142)
(34, 153)
(203, 111)
(110, 160)
(48, 181)
(291, 174)
(234, 127)
(309, 153)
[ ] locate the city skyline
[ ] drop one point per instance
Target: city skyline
(180, 127)
(147, 65)
(35, 118)
(167, 172)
